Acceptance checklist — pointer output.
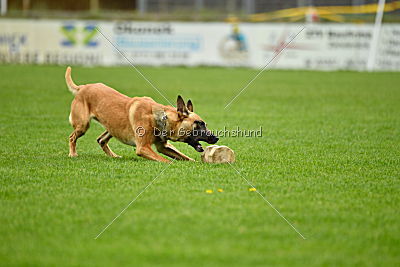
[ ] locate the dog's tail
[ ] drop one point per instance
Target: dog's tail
(70, 83)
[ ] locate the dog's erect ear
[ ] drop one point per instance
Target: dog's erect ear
(180, 106)
(190, 106)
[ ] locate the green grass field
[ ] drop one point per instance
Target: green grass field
(328, 160)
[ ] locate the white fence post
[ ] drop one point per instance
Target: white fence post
(142, 6)
(199, 5)
(375, 36)
(3, 7)
(248, 6)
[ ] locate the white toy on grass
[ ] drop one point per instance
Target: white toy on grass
(218, 154)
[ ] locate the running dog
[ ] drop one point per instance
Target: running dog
(137, 121)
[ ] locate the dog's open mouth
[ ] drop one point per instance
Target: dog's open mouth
(197, 146)
(194, 140)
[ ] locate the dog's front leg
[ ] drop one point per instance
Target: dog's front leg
(144, 139)
(148, 153)
(170, 151)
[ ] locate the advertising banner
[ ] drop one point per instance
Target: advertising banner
(50, 42)
(78, 42)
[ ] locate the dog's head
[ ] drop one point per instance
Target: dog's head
(190, 128)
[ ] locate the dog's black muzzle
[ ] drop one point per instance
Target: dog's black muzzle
(213, 139)
(203, 135)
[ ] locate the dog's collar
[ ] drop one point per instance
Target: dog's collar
(161, 120)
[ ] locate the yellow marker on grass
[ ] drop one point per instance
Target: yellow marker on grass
(252, 189)
(209, 191)
(220, 190)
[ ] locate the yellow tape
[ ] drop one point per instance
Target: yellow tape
(327, 12)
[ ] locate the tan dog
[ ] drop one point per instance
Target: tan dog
(137, 121)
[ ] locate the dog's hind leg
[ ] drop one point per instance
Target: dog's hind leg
(103, 142)
(79, 119)
(78, 132)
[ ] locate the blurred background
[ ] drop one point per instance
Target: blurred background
(357, 11)
(345, 34)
